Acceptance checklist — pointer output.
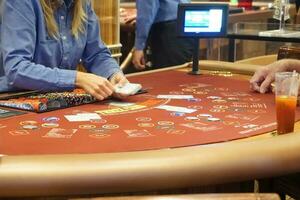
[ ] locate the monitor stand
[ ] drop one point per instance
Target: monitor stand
(195, 69)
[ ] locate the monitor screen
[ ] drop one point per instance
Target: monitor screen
(202, 20)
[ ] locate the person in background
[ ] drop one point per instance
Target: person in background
(263, 77)
(156, 26)
(127, 17)
(43, 41)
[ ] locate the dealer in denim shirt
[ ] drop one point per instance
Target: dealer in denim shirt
(36, 60)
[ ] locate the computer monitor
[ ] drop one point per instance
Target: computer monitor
(202, 20)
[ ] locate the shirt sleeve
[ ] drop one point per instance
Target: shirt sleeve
(96, 56)
(146, 13)
(18, 43)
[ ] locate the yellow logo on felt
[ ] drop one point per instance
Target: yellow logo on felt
(120, 110)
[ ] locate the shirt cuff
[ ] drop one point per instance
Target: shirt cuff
(140, 44)
(118, 72)
(112, 72)
(66, 79)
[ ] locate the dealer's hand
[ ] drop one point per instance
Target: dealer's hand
(138, 59)
(118, 79)
(263, 77)
(97, 86)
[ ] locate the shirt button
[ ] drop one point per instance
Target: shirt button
(64, 37)
(62, 17)
(65, 58)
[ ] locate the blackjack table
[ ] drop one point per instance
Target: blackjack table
(184, 131)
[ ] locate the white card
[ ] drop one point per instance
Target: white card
(175, 96)
(176, 109)
(82, 117)
(89, 115)
(120, 104)
(128, 88)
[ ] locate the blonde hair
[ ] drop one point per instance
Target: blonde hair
(79, 17)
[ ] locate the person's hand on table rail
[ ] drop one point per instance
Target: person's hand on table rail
(128, 17)
(131, 19)
(139, 59)
(263, 78)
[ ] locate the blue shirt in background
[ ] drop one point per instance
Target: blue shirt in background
(68, 2)
(34, 60)
(153, 11)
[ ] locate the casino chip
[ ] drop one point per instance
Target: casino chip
(213, 119)
(146, 125)
(217, 110)
(214, 97)
(28, 122)
(30, 127)
(219, 101)
(110, 126)
(191, 118)
(164, 127)
(180, 114)
(188, 90)
(50, 125)
(50, 119)
(220, 107)
(197, 107)
(194, 100)
(87, 126)
(165, 123)
(200, 92)
(204, 115)
(143, 119)
(232, 99)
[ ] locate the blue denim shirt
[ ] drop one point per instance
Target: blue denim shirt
(153, 11)
(34, 60)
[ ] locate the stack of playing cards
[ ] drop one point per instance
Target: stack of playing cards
(128, 88)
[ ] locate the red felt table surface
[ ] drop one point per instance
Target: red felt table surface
(142, 126)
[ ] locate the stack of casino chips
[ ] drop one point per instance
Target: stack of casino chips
(49, 101)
